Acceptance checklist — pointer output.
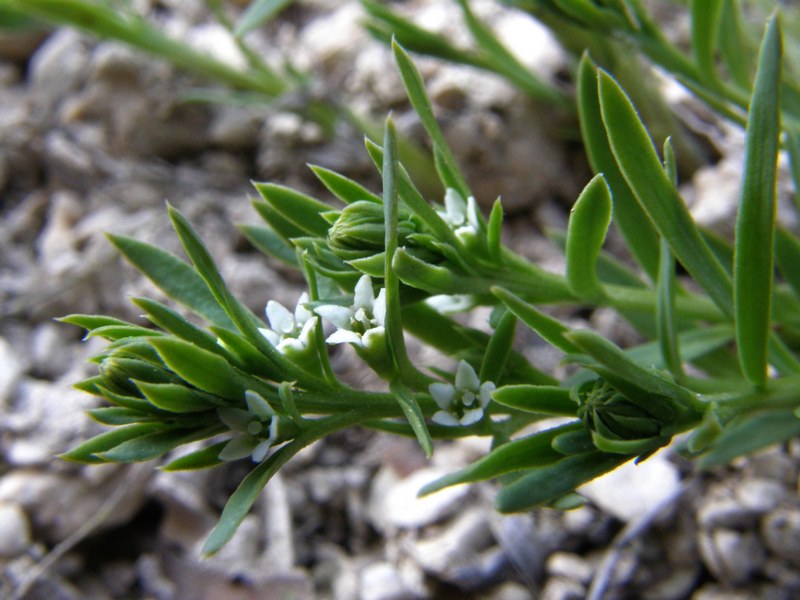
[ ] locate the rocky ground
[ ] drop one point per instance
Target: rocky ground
(94, 138)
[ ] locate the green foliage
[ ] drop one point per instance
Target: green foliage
(719, 357)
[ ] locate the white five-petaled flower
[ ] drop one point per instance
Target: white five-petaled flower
(362, 324)
(464, 403)
(287, 330)
(460, 214)
(256, 429)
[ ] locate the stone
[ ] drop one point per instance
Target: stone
(781, 533)
(15, 531)
(381, 581)
(732, 556)
(760, 495)
(676, 586)
(558, 588)
(450, 553)
(395, 503)
(724, 512)
(570, 566)
(11, 369)
(632, 491)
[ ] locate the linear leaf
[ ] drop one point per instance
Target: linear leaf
(537, 399)
(586, 232)
(413, 413)
(174, 277)
(270, 243)
(639, 163)
(415, 88)
(88, 452)
(705, 16)
(755, 224)
(550, 482)
(551, 330)
(201, 368)
(173, 322)
(301, 209)
(342, 187)
(631, 220)
(525, 453)
(257, 13)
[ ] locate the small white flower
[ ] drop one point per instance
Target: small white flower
(460, 214)
(464, 403)
(362, 324)
(287, 330)
(256, 429)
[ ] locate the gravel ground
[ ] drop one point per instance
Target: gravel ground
(94, 138)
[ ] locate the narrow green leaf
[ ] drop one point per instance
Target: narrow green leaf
(750, 433)
(257, 14)
(116, 416)
(631, 220)
(284, 228)
(665, 313)
(626, 369)
(494, 232)
(736, 48)
(415, 88)
(89, 451)
(753, 269)
(148, 447)
(173, 276)
(642, 169)
(199, 459)
(414, 415)
(300, 209)
(793, 146)
(537, 399)
(552, 481)
(91, 322)
(413, 199)
(787, 255)
(586, 232)
(550, 329)
(526, 453)
(177, 398)
(245, 321)
(499, 349)
(432, 278)
(394, 324)
(342, 187)
(270, 243)
(705, 16)
(121, 332)
(171, 321)
(202, 369)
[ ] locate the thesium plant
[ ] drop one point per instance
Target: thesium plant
(718, 373)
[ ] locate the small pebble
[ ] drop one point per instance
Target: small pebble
(15, 530)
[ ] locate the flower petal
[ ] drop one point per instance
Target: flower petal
(261, 450)
(280, 319)
(342, 336)
(445, 418)
(235, 418)
(466, 378)
(239, 447)
(272, 337)
(471, 416)
(363, 296)
(258, 405)
(455, 206)
(301, 313)
(473, 215)
(379, 308)
(338, 315)
(442, 394)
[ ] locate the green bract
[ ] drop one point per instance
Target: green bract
(719, 356)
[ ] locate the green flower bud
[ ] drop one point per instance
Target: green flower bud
(613, 417)
(359, 230)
